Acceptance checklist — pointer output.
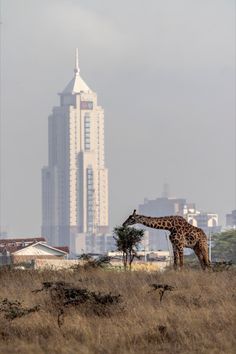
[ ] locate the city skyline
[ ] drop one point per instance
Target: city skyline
(167, 87)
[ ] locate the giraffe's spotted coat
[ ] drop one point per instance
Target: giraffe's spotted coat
(182, 234)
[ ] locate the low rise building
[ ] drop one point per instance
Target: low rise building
(18, 251)
(145, 259)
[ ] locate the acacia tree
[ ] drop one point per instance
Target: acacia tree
(127, 241)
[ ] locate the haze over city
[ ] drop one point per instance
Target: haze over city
(164, 72)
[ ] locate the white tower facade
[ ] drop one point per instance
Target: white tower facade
(75, 182)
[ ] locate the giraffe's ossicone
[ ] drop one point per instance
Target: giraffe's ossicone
(182, 234)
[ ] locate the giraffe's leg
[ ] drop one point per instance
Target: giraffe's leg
(205, 258)
(181, 258)
(176, 257)
(199, 254)
(175, 249)
(203, 247)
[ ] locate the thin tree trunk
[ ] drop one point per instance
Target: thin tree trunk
(125, 260)
(131, 258)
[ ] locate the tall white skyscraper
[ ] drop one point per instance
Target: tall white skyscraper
(75, 182)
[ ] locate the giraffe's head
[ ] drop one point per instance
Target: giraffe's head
(132, 219)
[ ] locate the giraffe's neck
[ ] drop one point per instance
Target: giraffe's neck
(162, 223)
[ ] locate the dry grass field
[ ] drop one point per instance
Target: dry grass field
(197, 316)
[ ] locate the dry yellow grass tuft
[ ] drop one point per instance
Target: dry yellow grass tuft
(196, 316)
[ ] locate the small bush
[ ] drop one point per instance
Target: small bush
(64, 295)
(14, 309)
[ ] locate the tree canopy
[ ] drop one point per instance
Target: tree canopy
(224, 246)
(127, 241)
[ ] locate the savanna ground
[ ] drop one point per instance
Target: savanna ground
(197, 316)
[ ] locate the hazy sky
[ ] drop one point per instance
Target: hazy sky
(164, 71)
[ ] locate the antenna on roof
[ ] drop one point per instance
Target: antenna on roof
(0, 118)
(166, 190)
(77, 70)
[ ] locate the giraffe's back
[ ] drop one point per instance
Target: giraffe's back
(186, 233)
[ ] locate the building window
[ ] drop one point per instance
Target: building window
(87, 145)
(90, 199)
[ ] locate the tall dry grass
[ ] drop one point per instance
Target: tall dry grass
(198, 316)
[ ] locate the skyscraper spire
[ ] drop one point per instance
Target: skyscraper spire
(77, 69)
(77, 84)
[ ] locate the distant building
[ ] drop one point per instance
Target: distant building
(208, 222)
(231, 219)
(149, 256)
(164, 206)
(17, 243)
(3, 234)
(75, 182)
(94, 243)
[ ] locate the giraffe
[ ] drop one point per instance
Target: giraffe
(182, 234)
